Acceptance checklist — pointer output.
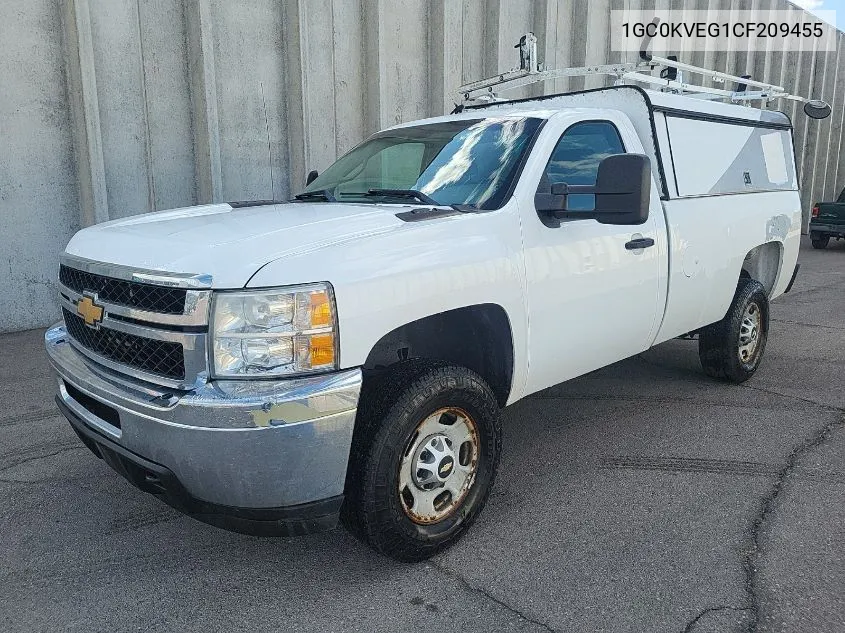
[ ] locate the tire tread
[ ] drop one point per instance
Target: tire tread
(716, 343)
(394, 393)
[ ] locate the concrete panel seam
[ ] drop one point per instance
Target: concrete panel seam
(85, 112)
(209, 172)
(148, 141)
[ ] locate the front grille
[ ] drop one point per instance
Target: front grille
(126, 293)
(162, 358)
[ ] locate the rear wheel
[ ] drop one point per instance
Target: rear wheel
(732, 348)
(820, 241)
(424, 458)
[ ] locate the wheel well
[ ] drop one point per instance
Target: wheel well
(762, 263)
(476, 337)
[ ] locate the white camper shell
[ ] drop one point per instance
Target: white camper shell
(698, 147)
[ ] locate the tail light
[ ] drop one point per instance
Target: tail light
(816, 211)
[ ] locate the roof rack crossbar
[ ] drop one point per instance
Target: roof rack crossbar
(532, 72)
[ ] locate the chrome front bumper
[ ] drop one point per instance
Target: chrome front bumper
(238, 445)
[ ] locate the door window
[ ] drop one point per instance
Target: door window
(576, 157)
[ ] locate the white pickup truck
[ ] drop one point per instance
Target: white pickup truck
(271, 367)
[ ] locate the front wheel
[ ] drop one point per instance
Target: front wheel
(423, 461)
(820, 241)
(732, 348)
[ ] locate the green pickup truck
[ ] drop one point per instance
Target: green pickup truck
(827, 221)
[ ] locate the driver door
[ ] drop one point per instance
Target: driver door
(592, 298)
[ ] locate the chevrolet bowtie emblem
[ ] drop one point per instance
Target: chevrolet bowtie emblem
(90, 312)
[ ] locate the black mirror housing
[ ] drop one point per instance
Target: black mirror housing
(622, 192)
(312, 176)
(623, 189)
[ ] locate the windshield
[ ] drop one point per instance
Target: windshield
(470, 162)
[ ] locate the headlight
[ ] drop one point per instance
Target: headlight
(274, 332)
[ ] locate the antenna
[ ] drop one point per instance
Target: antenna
(670, 79)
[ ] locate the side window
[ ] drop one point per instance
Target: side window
(841, 197)
(576, 157)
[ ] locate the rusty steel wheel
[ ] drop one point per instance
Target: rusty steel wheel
(731, 349)
(750, 330)
(438, 466)
(423, 459)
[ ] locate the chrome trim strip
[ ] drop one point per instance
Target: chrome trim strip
(258, 335)
(197, 300)
(187, 339)
(126, 273)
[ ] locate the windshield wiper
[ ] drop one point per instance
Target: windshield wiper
(411, 194)
(404, 193)
(396, 193)
(465, 208)
(319, 194)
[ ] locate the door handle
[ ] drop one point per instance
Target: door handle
(640, 242)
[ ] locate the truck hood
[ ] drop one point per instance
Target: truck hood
(230, 244)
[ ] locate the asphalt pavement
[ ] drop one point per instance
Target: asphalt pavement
(642, 497)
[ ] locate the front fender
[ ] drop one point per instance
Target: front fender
(382, 282)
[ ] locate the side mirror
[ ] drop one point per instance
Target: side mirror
(816, 109)
(623, 189)
(312, 176)
(622, 192)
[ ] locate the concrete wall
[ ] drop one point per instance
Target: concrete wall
(110, 108)
(39, 202)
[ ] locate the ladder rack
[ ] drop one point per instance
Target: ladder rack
(530, 71)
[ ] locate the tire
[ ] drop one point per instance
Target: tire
(399, 412)
(820, 241)
(732, 348)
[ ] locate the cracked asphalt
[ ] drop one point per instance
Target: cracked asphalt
(642, 497)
